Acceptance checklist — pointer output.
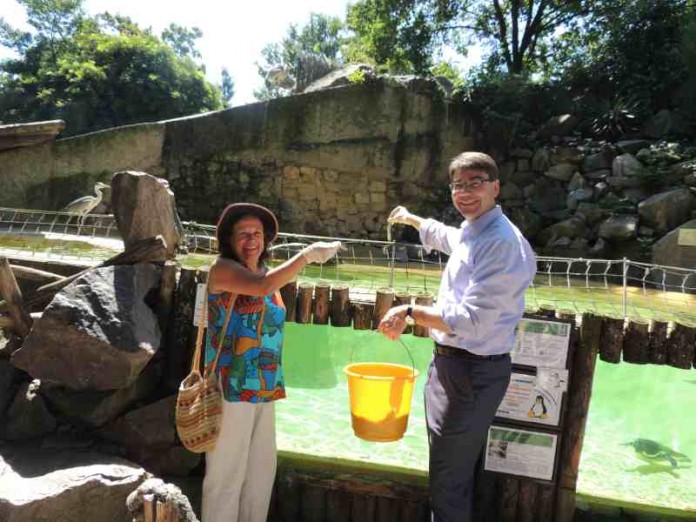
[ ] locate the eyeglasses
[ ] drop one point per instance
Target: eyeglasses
(475, 183)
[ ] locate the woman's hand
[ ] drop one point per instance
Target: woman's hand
(321, 251)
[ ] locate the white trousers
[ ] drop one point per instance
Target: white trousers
(240, 471)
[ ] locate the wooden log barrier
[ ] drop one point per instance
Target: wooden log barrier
(383, 302)
(289, 505)
(304, 303)
(546, 496)
(321, 303)
(579, 394)
(509, 495)
(362, 316)
(313, 503)
(363, 509)
(338, 505)
(636, 341)
(681, 343)
(423, 299)
(340, 305)
(289, 295)
(403, 298)
(657, 344)
(611, 340)
(527, 502)
(13, 297)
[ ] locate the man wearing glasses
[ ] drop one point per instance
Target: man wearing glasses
(480, 302)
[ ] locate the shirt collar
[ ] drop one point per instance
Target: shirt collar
(482, 222)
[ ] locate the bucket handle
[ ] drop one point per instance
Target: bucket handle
(413, 364)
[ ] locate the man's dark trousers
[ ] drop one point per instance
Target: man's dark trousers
(461, 398)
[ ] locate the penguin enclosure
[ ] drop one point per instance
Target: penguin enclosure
(622, 443)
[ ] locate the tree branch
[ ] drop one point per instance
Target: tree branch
(502, 31)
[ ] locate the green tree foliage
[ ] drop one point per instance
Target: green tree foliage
(395, 35)
(98, 72)
(303, 53)
(402, 35)
(628, 60)
(227, 87)
(182, 40)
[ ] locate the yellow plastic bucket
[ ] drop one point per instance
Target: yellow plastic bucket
(380, 399)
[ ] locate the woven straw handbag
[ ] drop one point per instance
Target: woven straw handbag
(199, 401)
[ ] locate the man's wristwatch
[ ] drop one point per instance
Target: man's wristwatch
(409, 316)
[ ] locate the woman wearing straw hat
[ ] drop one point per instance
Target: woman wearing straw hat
(240, 471)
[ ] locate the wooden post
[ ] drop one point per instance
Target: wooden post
(34, 274)
(403, 298)
(680, 346)
(165, 297)
(611, 340)
(363, 509)
(657, 344)
(13, 296)
(289, 295)
(383, 302)
(149, 507)
(579, 394)
(313, 503)
(508, 498)
(424, 299)
(635, 343)
(337, 506)
(180, 333)
(546, 495)
(321, 303)
(527, 502)
(288, 488)
(340, 305)
(304, 303)
(362, 316)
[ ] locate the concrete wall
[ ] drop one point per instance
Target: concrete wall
(329, 162)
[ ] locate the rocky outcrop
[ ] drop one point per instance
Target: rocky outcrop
(64, 486)
(98, 333)
(144, 207)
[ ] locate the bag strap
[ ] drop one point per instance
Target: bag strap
(196, 362)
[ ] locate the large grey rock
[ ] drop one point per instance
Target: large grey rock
(98, 333)
(677, 248)
(541, 161)
(627, 166)
(96, 408)
(591, 212)
(576, 182)
(578, 196)
(599, 161)
(149, 436)
(28, 416)
(632, 146)
(619, 227)
(65, 486)
(527, 221)
(9, 380)
(561, 172)
(510, 191)
(667, 210)
(144, 207)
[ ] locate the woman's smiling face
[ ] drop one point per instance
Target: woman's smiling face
(248, 240)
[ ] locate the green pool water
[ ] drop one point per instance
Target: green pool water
(629, 402)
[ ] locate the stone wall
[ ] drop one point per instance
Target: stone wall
(328, 162)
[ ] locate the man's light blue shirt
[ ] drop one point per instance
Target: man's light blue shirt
(481, 297)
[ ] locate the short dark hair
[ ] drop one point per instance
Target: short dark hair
(475, 161)
(224, 235)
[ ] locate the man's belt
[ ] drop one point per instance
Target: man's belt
(461, 353)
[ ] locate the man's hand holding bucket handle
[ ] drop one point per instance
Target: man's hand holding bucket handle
(393, 323)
